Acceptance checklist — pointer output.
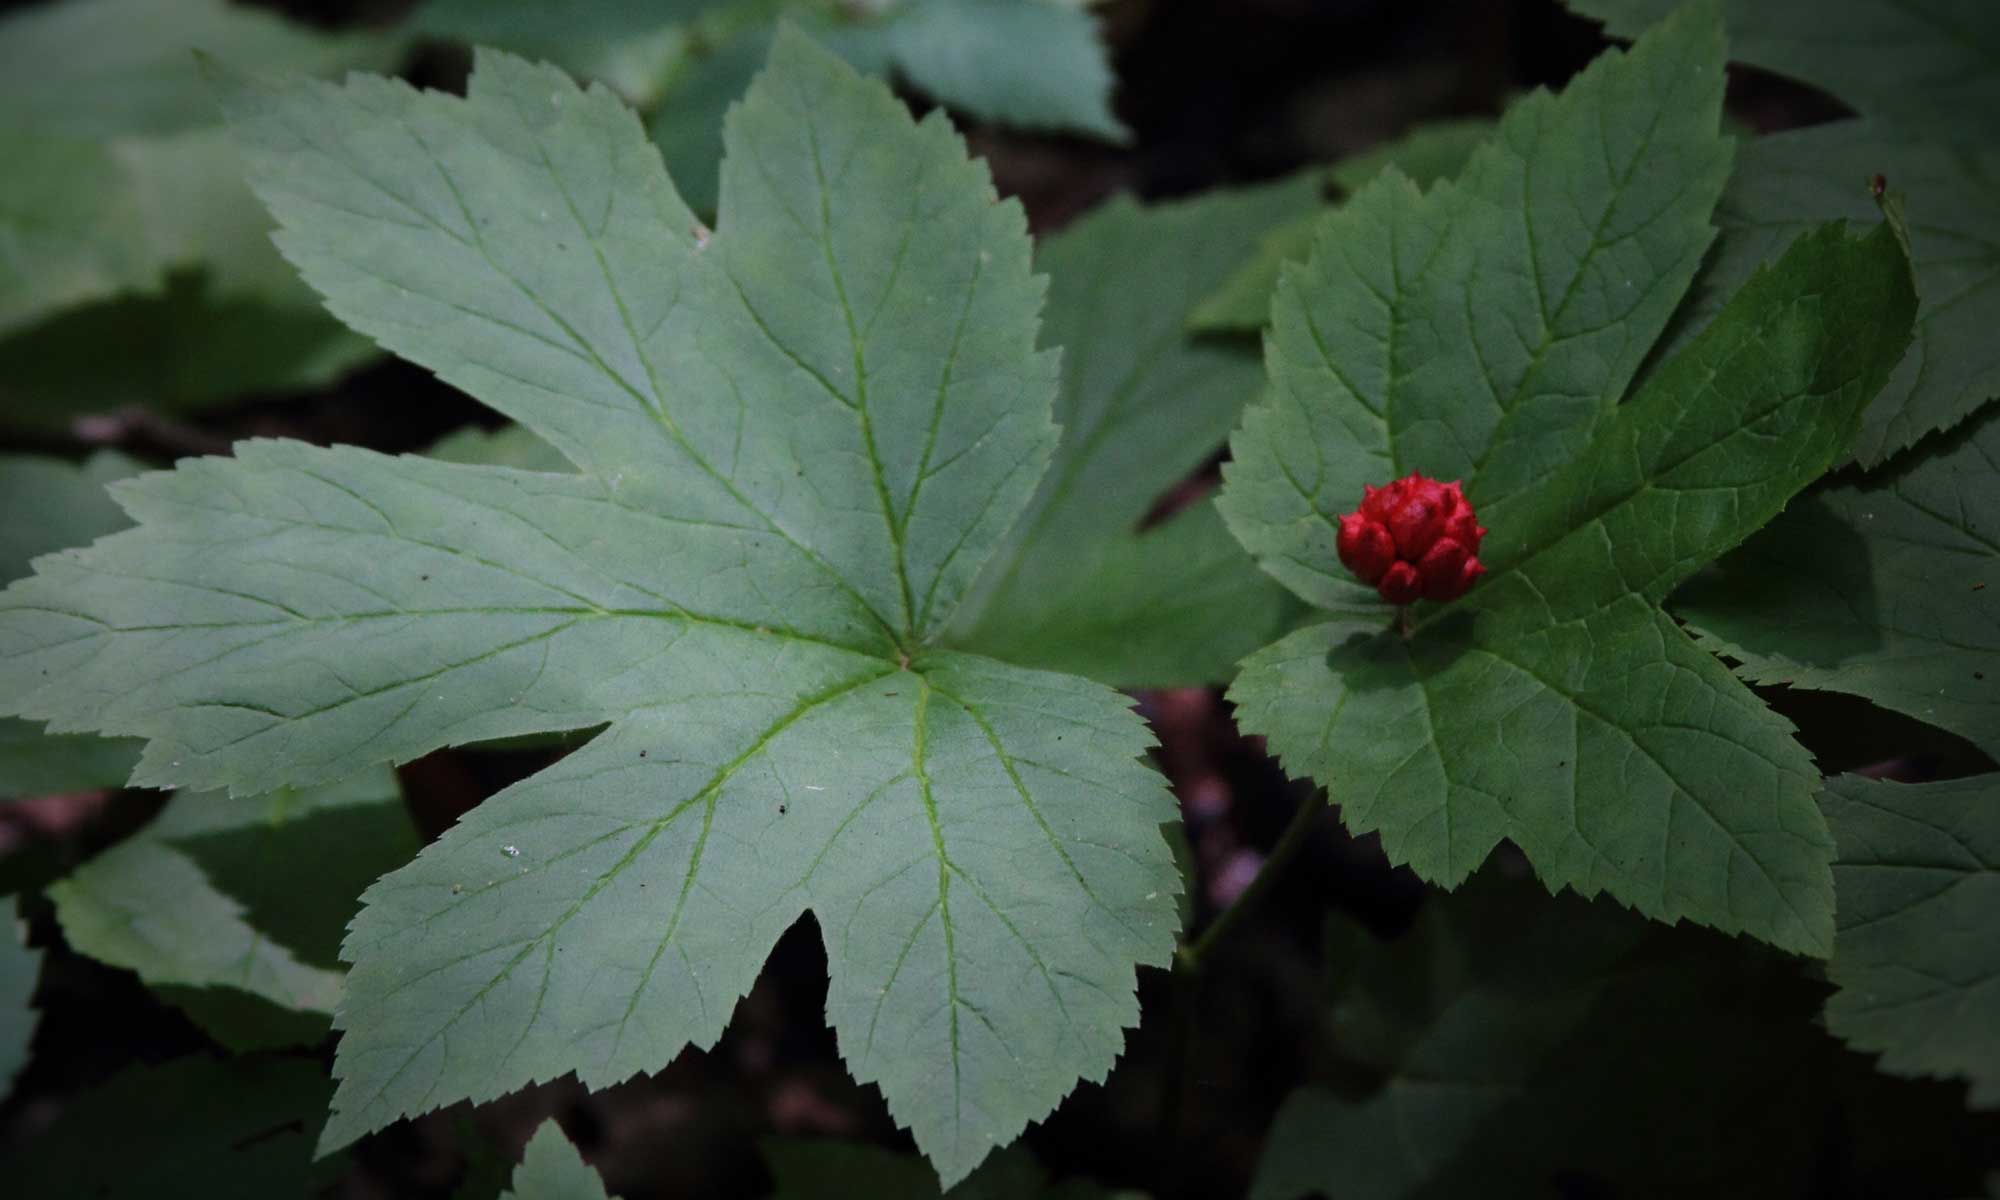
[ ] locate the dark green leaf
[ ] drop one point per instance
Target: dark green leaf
(1915, 957)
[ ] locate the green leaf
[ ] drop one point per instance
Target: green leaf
(508, 446)
(1032, 64)
(1079, 587)
(69, 227)
(551, 1169)
(195, 1128)
(1915, 958)
(104, 68)
(1426, 154)
(126, 186)
(1556, 705)
(51, 504)
(247, 893)
(1036, 64)
(1931, 65)
(1483, 329)
(1786, 182)
(751, 594)
(1513, 1044)
(19, 967)
(1886, 587)
(823, 1169)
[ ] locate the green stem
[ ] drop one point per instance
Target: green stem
(1190, 958)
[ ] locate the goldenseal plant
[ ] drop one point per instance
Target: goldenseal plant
(1488, 330)
(798, 438)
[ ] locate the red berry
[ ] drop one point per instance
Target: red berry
(1412, 537)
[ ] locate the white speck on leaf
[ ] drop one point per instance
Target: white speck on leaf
(511, 851)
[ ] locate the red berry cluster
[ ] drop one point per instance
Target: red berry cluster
(1413, 537)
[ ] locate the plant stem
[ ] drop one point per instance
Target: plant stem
(1190, 958)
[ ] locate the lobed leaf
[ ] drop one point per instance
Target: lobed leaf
(1556, 705)
(1914, 958)
(798, 439)
(1877, 587)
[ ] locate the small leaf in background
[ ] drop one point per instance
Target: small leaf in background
(1079, 586)
(1513, 1044)
(249, 894)
(551, 1169)
(19, 968)
(1786, 182)
(192, 1129)
(754, 597)
(1030, 64)
(127, 221)
(1932, 66)
(51, 504)
(1428, 153)
(1885, 587)
(1915, 958)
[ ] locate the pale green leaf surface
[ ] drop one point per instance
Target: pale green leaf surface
(1481, 330)
(1555, 704)
(1886, 587)
(1425, 155)
(146, 907)
(50, 504)
(192, 1129)
(1932, 65)
(249, 893)
(105, 68)
(19, 968)
(799, 438)
(1078, 587)
(1915, 958)
(551, 1169)
(1036, 64)
(1786, 182)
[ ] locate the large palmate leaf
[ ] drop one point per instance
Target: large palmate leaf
(1915, 958)
(1931, 65)
(798, 440)
(192, 1129)
(1426, 154)
(1513, 1044)
(1034, 64)
(1886, 587)
(249, 893)
(1079, 587)
(1786, 182)
(50, 504)
(126, 220)
(551, 1169)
